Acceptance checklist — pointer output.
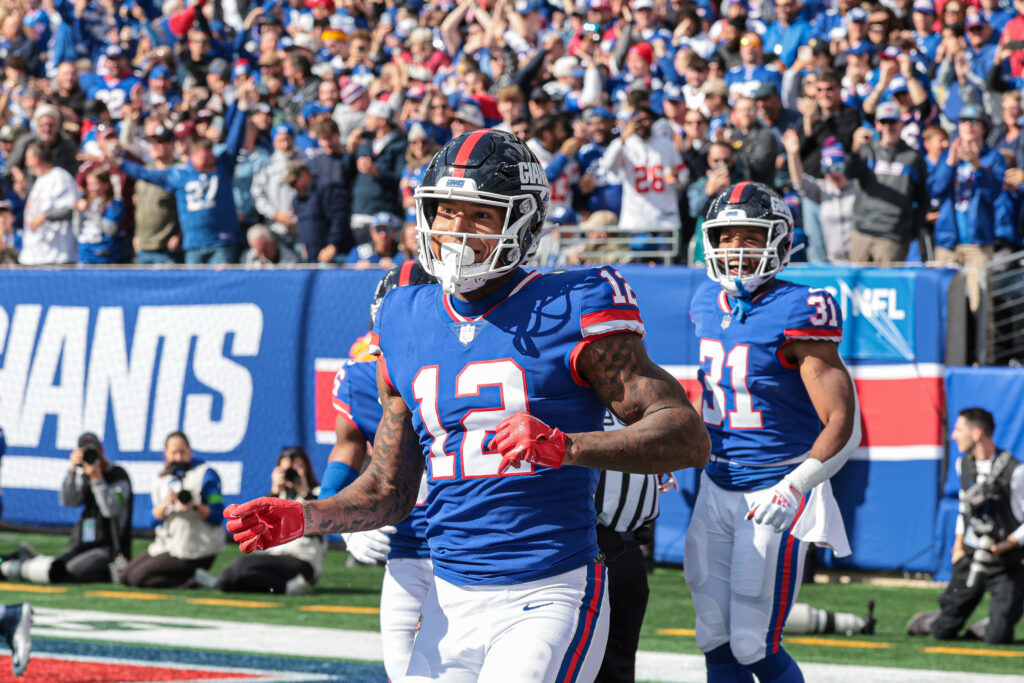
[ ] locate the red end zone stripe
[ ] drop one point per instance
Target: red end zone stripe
(465, 151)
(737, 192)
(41, 670)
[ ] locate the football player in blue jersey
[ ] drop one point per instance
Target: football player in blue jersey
(498, 379)
(781, 410)
(409, 575)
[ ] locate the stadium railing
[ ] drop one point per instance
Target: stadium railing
(616, 244)
(1000, 329)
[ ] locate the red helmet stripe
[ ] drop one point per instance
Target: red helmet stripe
(737, 192)
(465, 151)
(405, 274)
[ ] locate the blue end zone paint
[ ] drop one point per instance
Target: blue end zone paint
(343, 672)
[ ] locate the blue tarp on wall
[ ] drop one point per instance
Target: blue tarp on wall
(1000, 391)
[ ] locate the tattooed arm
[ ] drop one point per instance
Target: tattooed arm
(664, 432)
(386, 492)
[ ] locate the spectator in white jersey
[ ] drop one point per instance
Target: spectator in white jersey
(652, 173)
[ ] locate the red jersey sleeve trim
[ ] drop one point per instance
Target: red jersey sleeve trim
(347, 416)
(611, 320)
(578, 349)
(814, 333)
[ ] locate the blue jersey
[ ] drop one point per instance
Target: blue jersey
(743, 81)
(355, 396)
(205, 201)
(755, 405)
(462, 367)
(115, 93)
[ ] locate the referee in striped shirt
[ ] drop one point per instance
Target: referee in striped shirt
(627, 505)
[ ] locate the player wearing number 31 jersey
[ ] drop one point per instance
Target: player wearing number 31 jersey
(781, 410)
(495, 381)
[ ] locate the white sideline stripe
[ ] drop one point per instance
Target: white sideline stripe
(899, 453)
(46, 474)
(270, 639)
(320, 642)
(864, 372)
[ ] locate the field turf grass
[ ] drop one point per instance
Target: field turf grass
(348, 597)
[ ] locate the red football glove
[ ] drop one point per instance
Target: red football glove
(524, 437)
(265, 522)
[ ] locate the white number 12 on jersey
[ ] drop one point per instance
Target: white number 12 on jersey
(479, 423)
(743, 415)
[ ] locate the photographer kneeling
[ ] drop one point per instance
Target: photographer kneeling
(187, 510)
(989, 546)
(291, 568)
(102, 533)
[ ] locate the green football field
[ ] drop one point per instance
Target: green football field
(347, 598)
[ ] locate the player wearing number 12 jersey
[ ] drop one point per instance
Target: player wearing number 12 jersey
(497, 380)
(782, 413)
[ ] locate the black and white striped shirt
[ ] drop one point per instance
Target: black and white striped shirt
(625, 501)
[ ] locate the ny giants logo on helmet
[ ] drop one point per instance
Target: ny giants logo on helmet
(531, 173)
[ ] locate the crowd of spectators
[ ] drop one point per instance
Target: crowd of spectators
(221, 131)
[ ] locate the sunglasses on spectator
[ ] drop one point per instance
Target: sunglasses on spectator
(836, 168)
(888, 122)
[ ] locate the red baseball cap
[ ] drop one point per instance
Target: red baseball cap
(643, 50)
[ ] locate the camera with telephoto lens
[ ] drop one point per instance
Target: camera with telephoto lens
(291, 476)
(982, 560)
(91, 455)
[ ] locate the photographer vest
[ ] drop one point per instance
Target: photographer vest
(184, 534)
(997, 506)
(103, 527)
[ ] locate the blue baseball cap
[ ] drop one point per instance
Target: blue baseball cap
(314, 108)
(282, 128)
(898, 85)
(598, 113)
(386, 219)
(241, 68)
(673, 92)
(973, 112)
(563, 215)
(861, 48)
(857, 14)
(159, 71)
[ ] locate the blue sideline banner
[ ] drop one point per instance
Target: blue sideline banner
(241, 361)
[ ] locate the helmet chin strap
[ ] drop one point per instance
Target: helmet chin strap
(744, 301)
(453, 257)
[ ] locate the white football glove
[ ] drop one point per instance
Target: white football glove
(369, 547)
(778, 507)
